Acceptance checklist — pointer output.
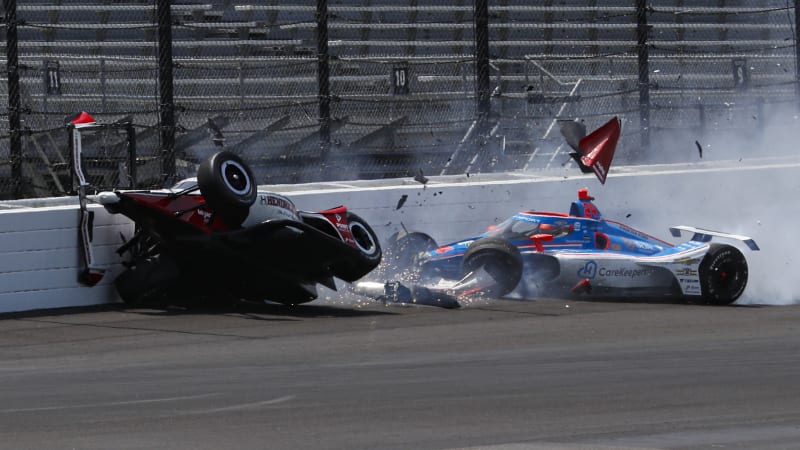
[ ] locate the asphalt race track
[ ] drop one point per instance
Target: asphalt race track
(508, 375)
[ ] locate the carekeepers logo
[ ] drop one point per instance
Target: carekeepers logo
(589, 270)
(626, 273)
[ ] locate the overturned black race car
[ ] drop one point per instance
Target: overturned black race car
(217, 236)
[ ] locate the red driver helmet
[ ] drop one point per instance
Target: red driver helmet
(583, 194)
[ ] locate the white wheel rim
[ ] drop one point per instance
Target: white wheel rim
(223, 168)
(358, 228)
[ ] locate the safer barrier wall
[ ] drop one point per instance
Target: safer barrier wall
(40, 259)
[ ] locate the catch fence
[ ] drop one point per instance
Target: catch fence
(312, 91)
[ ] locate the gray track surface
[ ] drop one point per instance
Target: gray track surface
(508, 375)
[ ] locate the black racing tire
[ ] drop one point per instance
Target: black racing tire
(366, 240)
(403, 250)
(500, 258)
(723, 274)
(147, 282)
(228, 185)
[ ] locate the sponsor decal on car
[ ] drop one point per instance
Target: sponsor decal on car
(690, 286)
(272, 200)
(205, 215)
(589, 270)
(625, 273)
(592, 270)
(275, 205)
(526, 218)
(634, 245)
(686, 272)
(688, 261)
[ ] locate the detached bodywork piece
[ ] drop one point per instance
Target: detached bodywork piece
(548, 254)
(592, 153)
(217, 236)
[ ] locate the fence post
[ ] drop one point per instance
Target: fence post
(165, 89)
(12, 65)
(323, 74)
(644, 73)
(482, 75)
(132, 169)
(797, 46)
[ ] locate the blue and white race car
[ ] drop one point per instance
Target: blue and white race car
(545, 254)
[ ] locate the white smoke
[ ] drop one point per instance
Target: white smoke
(742, 186)
(744, 182)
(750, 188)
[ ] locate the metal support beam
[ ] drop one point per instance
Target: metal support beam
(482, 69)
(165, 89)
(323, 81)
(260, 136)
(12, 65)
(293, 151)
(797, 46)
(386, 132)
(644, 74)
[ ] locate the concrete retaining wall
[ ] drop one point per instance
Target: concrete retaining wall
(40, 260)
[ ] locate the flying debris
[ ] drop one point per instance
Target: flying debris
(421, 178)
(699, 148)
(593, 152)
(401, 202)
(216, 133)
(583, 286)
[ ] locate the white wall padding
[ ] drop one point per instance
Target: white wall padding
(40, 260)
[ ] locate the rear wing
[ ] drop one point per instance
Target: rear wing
(90, 275)
(593, 153)
(702, 235)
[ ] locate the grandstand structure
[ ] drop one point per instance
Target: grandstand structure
(318, 90)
